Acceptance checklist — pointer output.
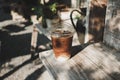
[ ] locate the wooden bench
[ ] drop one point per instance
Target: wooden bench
(93, 62)
(97, 61)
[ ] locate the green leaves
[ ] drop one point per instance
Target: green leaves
(44, 10)
(53, 7)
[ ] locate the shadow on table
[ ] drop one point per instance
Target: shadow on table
(16, 41)
(15, 69)
(17, 45)
(33, 76)
(103, 60)
(14, 45)
(36, 74)
(78, 48)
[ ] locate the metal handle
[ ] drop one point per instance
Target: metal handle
(71, 17)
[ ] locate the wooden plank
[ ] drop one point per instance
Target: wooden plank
(104, 59)
(60, 71)
(89, 67)
(112, 22)
(34, 37)
(33, 41)
(95, 62)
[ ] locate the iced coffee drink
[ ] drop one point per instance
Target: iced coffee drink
(62, 42)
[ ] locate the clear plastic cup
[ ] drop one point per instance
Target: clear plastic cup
(61, 37)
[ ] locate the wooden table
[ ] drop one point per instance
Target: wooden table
(88, 62)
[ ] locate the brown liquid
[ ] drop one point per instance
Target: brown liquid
(62, 43)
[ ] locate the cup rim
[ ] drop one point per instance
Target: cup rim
(65, 26)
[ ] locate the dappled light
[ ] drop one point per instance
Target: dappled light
(97, 63)
(112, 29)
(114, 24)
(27, 48)
(15, 41)
(94, 62)
(14, 67)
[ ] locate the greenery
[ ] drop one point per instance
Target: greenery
(53, 8)
(43, 10)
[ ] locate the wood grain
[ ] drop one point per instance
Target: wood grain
(94, 62)
(112, 22)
